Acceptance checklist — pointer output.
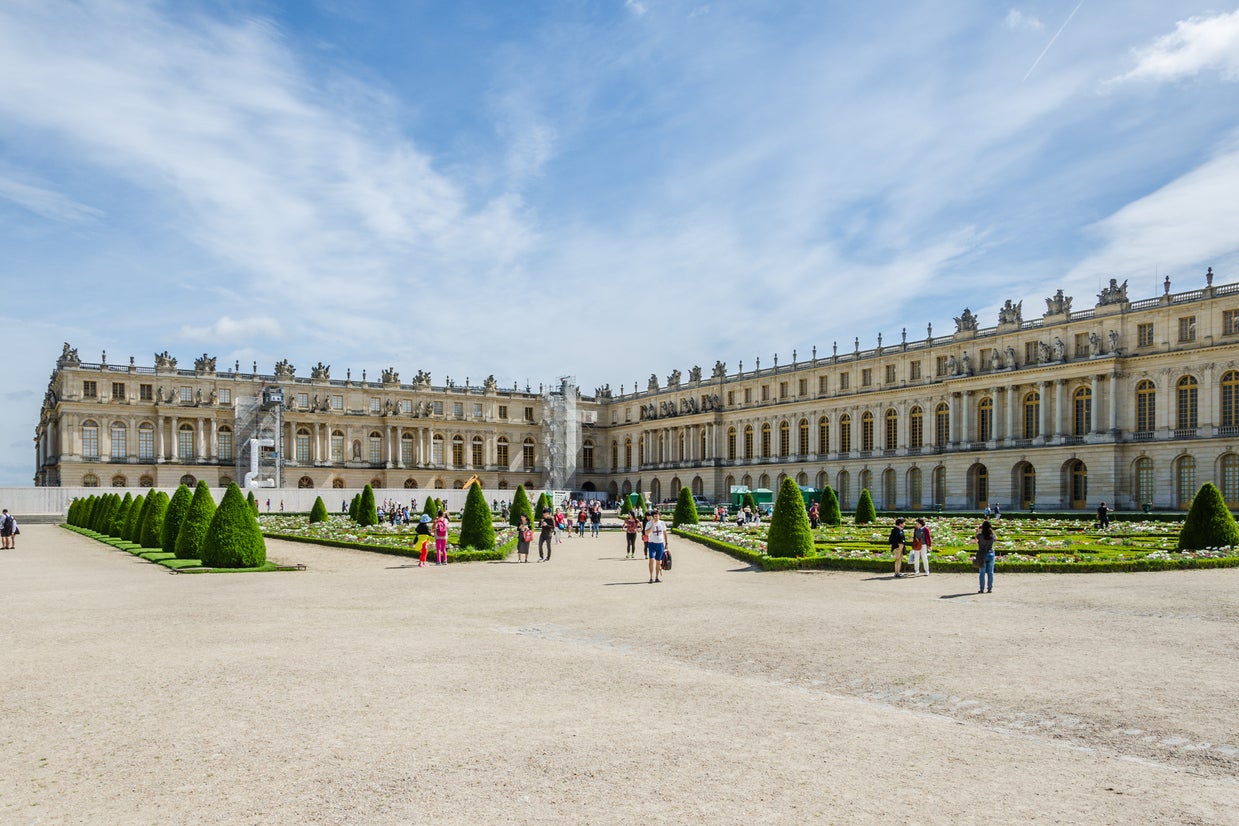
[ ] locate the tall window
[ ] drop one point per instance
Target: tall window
(915, 495)
(765, 440)
(628, 451)
(892, 429)
(337, 446)
(527, 455)
(823, 436)
(1082, 411)
(982, 480)
(1146, 408)
(845, 433)
(376, 448)
(1078, 479)
(1230, 479)
(1230, 398)
(985, 419)
(119, 432)
(587, 456)
(916, 430)
(501, 452)
(1144, 481)
(804, 437)
(1144, 335)
(890, 488)
(785, 439)
(1185, 403)
(458, 451)
(748, 441)
(1185, 480)
(185, 442)
(731, 444)
(615, 455)
(939, 483)
(224, 440)
(942, 428)
(436, 451)
(406, 450)
(1187, 328)
(866, 431)
(1032, 415)
(845, 490)
(303, 445)
(90, 439)
(1028, 485)
(475, 453)
(146, 441)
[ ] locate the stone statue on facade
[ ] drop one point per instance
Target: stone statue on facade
(720, 370)
(390, 376)
(966, 322)
(68, 357)
(213, 399)
(952, 366)
(320, 371)
(204, 364)
(1116, 293)
(652, 384)
(603, 392)
(490, 385)
(673, 380)
(1058, 304)
(1094, 344)
(694, 374)
(159, 397)
(688, 405)
(995, 360)
(1043, 353)
(164, 361)
(422, 380)
(965, 365)
(284, 370)
(198, 397)
(1010, 360)
(1060, 349)
(1011, 313)
(1113, 335)
(712, 402)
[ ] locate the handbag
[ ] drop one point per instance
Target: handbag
(666, 560)
(916, 544)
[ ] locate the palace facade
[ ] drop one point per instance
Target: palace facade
(1127, 402)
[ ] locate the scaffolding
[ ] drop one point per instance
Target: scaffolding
(259, 428)
(561, 434)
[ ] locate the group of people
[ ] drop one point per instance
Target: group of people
(432, 529)
(922, 544)
(8, 531)
(654, 534)
(653, 530)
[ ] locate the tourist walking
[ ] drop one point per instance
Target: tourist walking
(8, 531)
(897, 541)
(985, 557)
(922, 542)
(547, 530)
(814, 510)
(524, 535)
(657, 534)
(581, 517)
(595, 518)
(441, 539)
(645, 532)
(631, 528)
(423, 530)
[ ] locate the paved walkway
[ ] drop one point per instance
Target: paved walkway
(366, 690)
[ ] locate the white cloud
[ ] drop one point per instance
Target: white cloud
(228, 330)
(46, 202)
(1196, 45)
(1016, 20)
(635, 6)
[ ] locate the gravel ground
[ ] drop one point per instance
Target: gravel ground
(366, 690)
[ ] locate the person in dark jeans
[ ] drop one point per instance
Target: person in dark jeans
(1103, 516)
(897, 541)
(544, 536)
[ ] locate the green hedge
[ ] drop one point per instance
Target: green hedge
(498, 554)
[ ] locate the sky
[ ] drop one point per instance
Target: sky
(597, 188)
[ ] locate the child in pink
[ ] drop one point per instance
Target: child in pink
(441, 540)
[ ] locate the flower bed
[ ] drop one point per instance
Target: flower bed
(1048, 546)
(399, 540)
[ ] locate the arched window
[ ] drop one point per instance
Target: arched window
(185, 442)
(477, 460)
(120, 440)
(890, 489)
(1230, 479)
(188, 480)
(410, 483)
(376, 483)
(225, 480)
(146, 482)
(980, 481)
(628, 451)
(641, 451)
(985, 419)
(803, 446)
(1077, 481)
(376, 448)
(916, 429)
(305, 482)
(698, 486)
(587, 455)
(1185, 404)
(436, 451)
(303, 445)
(1081, 411)
(614, 455)
(223, 441)
(458, 451)
(748, 441)
(1146, 407)
(823, 435)
(785, 439)
(1230, 399)
(802, 479)
(337, 483)
(1185, 480)
(845, 433)
(337, 446)
(119, 481)
(843, 489)
(916, 496)
(406, 450)
(146, 442)
(942, 426)
(1026, 478)
(1032, 415)
(891, 440)
(501, 452)
(503, 484)
(527, 453)
(90, 440)
(866, 431)
(866, 481)
(90, 480)
(765, 440)
(939, 483)
(1144, 481)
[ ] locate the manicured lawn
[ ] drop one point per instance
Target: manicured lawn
(400, 540)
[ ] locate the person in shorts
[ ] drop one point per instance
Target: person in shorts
(657, 533)
(897, 541)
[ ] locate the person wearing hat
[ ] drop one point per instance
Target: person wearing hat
(423, 530)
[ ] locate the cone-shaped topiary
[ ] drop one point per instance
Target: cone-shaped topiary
(192, 535)
(354, 507)
(116, 525)
(152, 528)
(233, 538)
(367, 512)
(99, 513)
(544, 503)
(252, 501)
(830, 512)
(685, 509)
(1209, 523)
(625, 507)
(476, 530)
(520, 504)
(318, 513)
(749, 501)
(130, 529)
(789, 533)
(178, 505)
(135, 530)
(865, 512)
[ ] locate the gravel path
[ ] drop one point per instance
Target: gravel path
(366, 690)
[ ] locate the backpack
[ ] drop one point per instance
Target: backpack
(666, 560)
(441, 527)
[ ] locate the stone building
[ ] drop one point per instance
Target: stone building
(1128, 402)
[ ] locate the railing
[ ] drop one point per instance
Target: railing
(1022, 442)
(1073, 440)
(1142, 436)
(1186, 433)
(1228, 430)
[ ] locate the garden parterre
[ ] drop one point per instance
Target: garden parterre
(399, 538)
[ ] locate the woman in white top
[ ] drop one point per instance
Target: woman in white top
(657, 534)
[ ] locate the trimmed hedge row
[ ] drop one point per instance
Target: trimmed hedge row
(498, 554)
(168, 560)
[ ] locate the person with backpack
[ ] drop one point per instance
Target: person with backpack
(524, 535)
(8, 531)
(897, 540)
(441, 539)
(657, 533)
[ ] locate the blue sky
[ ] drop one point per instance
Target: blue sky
(604, 189)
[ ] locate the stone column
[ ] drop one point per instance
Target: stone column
(213, 439)
(954, 434)
(1013, 401)
(1095, 389)
(1116, 388)
(1165, 403)
(160, 424)
(176, 440)
(202, 441)
(1043, 410)
(1059, 388)
(966, 410)
(1210, 404)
